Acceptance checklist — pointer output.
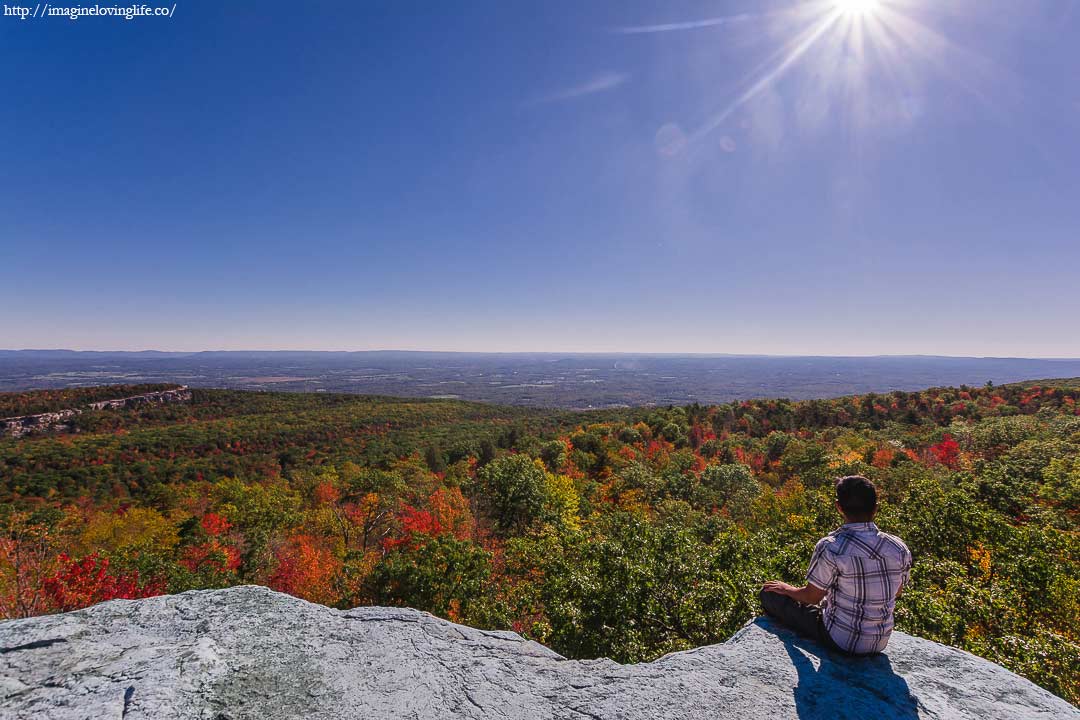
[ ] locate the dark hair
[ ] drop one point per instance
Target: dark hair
(857, 495)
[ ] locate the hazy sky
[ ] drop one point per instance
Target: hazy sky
(749, 177)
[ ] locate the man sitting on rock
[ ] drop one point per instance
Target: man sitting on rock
(855, 576)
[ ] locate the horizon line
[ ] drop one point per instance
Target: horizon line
(548, 352)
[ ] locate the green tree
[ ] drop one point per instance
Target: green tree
(445, 576)
(731, 487)
(512, 491)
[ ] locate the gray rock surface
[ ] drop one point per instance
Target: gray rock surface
(249, 652)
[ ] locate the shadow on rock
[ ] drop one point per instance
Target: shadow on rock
(832, 686)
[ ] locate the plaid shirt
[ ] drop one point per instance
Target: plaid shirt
(861, 570)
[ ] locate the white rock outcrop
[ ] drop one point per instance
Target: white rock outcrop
(23, 425)
(61, 420)
(249, 652)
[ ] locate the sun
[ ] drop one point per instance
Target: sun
(857, 8)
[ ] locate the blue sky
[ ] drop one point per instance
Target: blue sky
(745, 177)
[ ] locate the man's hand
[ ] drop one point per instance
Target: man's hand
(777, 586)
(810, 594)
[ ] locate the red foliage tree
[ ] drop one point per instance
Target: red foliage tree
(80, 583)
(214, 524)
(416, 526)
(947, 452)
(326, 494)
(447, 514)
(211, 556)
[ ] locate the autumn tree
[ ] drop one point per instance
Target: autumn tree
(27, 557)
(306, 568)
(80, 583)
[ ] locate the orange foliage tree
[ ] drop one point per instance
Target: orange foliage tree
(307, 569)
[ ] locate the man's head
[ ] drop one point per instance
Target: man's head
(856, 498)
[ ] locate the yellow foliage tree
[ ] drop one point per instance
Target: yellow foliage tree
(563, 501)
(133, 530)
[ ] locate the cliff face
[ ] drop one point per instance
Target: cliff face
(252, 653)
(61, 419)
(42, 422)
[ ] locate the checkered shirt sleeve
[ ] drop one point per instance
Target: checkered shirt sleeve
(822, 571)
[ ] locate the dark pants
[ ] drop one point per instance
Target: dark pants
(804, 619)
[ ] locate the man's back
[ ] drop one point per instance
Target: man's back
(861, 569)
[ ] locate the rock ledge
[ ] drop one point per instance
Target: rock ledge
(248, 652)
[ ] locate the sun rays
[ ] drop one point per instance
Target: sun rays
(860, 63)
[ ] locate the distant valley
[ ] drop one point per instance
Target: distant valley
(572, 381)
